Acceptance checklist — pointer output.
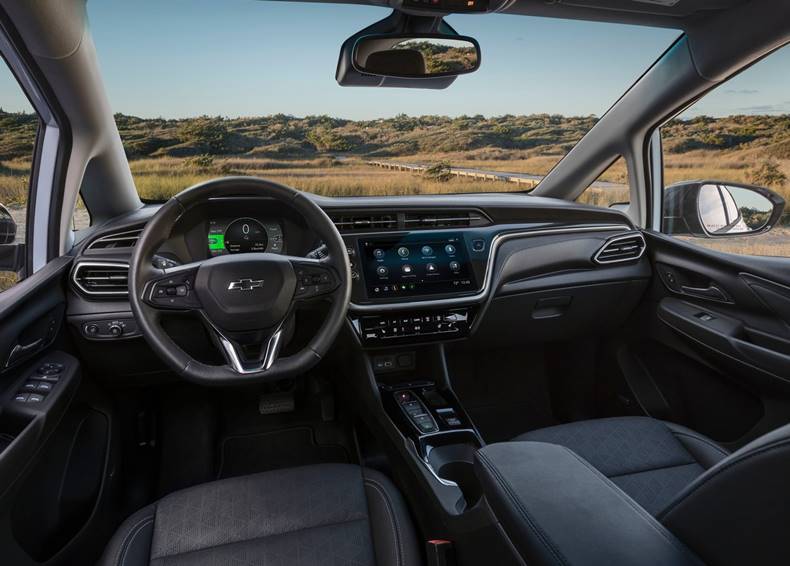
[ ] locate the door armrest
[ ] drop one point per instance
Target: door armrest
(557, 509)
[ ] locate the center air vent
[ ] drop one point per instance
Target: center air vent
(408, 220)
(117, 241)
(365, 222)
(102, 278)
(442, 219)
(621, 248)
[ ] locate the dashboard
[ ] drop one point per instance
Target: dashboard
(424, 269)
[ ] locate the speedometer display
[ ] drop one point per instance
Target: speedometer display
(244, 235)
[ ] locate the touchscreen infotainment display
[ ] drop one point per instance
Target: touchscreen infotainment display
(398, 268)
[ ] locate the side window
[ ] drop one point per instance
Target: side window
(727, 164)
(610, 189)
(18, 126)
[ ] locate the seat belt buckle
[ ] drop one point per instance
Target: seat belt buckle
(440, 552)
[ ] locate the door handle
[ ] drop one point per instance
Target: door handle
(710, 292)
(21, 351)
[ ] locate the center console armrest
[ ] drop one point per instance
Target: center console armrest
(557, 509)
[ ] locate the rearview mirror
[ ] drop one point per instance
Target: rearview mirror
(714, 209)
(411, 56)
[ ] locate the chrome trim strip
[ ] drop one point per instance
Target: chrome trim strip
(497, 241)
(617, 239)
(272, 349)
(97, 264)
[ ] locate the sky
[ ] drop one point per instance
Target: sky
(181, 58)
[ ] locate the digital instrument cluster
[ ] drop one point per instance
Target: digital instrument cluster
(244, 235)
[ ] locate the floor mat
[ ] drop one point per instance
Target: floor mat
(251, 453)
(505, 392)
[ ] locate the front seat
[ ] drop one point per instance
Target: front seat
(650, 460)
(336, 514)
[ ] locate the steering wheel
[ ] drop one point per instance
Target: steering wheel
(243, 299)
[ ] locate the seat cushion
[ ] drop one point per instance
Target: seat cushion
(652, 461)
(333, 514)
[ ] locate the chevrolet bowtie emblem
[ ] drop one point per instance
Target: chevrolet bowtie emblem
(245, 284)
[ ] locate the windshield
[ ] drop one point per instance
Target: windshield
(208, 88)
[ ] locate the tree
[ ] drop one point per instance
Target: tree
(768, 175)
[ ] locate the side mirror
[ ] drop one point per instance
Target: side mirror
(715, 209)
(409, 56)
(7, 226)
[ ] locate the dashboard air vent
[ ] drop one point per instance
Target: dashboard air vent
(621, 248)
(365, 222)
(442, 219)
(102, 279)
(118, 240)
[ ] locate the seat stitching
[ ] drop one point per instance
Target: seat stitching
(391, 514)
(648, 470)
(542, 537)
(704, 440)
(726, 465)
(120, 559)
(284, 533)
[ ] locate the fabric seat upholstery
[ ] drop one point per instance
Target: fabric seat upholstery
(332, 514)
(650, 460)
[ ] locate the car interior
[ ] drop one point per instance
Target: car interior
(243, 371)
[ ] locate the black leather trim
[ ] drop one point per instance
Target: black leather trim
(393, 533)
(738, 511)
(559, 510)
(131, 544)
(702, 449)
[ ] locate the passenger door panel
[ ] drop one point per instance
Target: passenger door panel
(728, 314)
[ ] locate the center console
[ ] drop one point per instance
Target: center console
(443, 435)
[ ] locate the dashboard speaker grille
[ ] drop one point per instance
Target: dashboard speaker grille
(102, 279)
(621, 248)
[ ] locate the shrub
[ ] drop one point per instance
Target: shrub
(768, 175)
(440, 172)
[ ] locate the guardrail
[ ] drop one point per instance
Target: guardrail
(521, 179)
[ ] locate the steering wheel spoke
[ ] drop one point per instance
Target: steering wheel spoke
(314, 278)
(174, 288)
(249, 352)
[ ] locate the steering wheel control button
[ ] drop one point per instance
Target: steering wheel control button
(315, 280)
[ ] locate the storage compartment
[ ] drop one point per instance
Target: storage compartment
(450, 455)
(11, 426)
(557, 314)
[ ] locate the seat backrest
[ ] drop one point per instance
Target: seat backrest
(738, 511)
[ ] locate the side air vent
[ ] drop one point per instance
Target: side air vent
(441, 219)
(103, 279)
(365, 222)
(621, 248)
(116, 241)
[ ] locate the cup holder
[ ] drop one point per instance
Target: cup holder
(450, 456)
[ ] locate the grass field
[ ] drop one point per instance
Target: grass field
(167, 156)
